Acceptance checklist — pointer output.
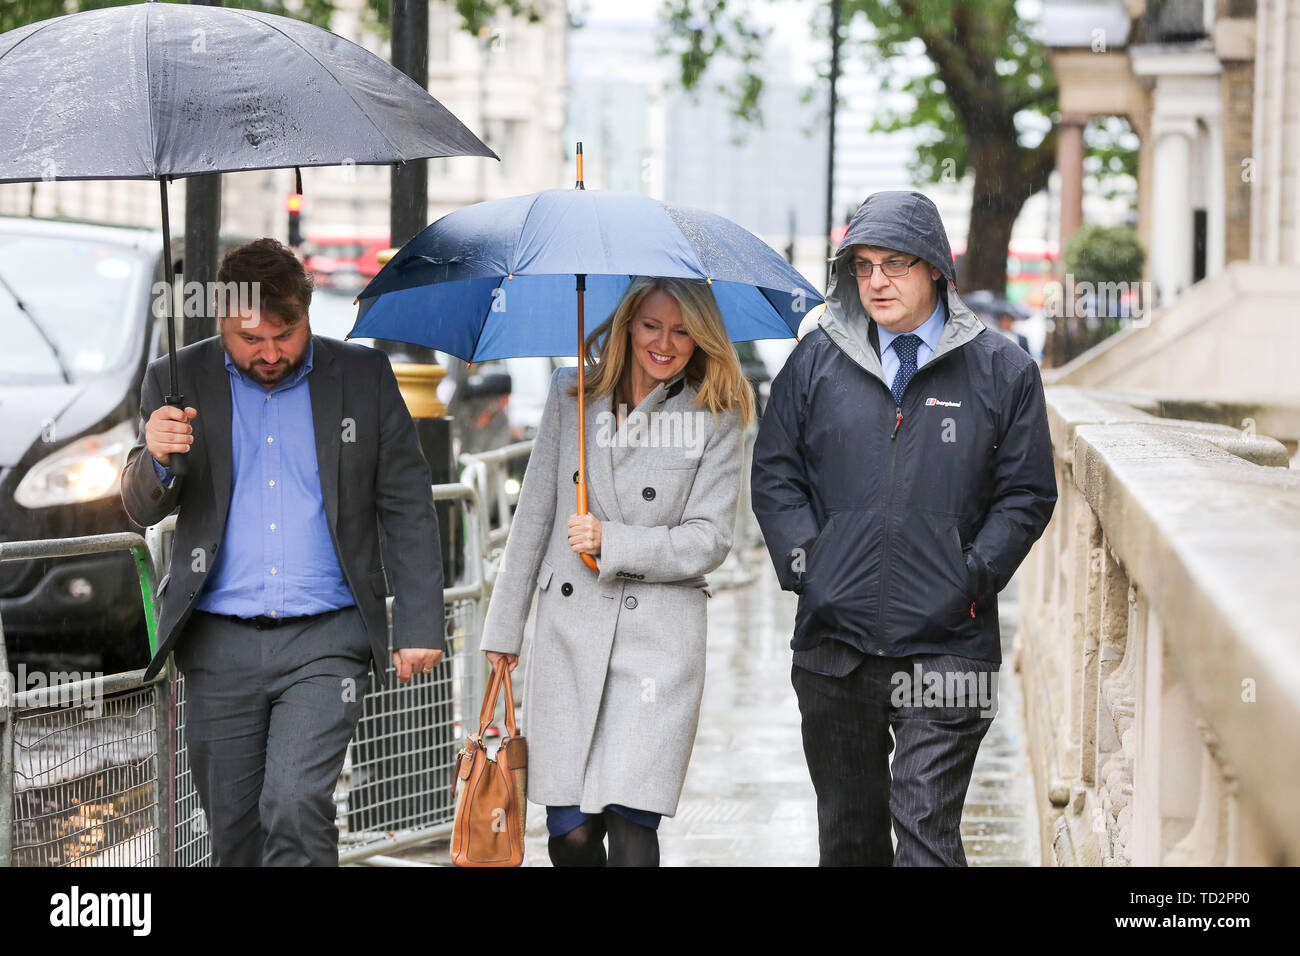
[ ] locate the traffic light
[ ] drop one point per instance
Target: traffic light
(294, 205)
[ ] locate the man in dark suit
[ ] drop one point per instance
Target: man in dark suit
(301, 457)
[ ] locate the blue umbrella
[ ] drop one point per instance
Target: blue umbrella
(509, 277)
(496, 279)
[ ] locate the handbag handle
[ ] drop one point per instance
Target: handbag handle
(500, 675)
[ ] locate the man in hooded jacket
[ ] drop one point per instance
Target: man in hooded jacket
(902, 471)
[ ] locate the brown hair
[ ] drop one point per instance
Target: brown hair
(284, 287)
(713, 369)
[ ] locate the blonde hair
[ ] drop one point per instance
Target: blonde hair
(713, 369)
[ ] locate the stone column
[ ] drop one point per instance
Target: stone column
(1234, 43)
(1275, 206)
(1069, 165)
(1171, 234)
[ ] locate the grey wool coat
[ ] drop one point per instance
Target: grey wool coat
(616, 668)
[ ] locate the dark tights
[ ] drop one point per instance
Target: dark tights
(582, 846)
(630, 844)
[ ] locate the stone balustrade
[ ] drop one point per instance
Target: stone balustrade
(1159, 641)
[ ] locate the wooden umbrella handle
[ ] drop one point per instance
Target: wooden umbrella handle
(587, 559)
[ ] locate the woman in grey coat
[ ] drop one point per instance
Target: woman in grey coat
(616, 666)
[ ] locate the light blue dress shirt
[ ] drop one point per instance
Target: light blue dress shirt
(930, 330)
(276, 557)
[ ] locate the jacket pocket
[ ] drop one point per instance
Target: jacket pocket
(929, 582)
(842, 581)
(817, 546)
(963, 569)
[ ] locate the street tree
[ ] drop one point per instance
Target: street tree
(978, 88)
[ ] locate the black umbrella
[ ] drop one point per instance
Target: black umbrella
(985, 301)
(163, 91)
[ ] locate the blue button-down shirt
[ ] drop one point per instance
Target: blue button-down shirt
(276, 558)
(930, 330)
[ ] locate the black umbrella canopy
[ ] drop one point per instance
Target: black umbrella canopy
(984, 300)
(159, 90)
(162, 91)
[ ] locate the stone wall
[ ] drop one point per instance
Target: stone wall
(1156, 643)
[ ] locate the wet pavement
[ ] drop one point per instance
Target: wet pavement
(747, 799)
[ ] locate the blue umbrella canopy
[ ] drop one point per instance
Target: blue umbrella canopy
(496, 279)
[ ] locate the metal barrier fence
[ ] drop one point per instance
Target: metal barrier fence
(488, 473)
(82, 773)
(95, 772)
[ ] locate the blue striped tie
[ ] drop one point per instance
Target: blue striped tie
(905, 347)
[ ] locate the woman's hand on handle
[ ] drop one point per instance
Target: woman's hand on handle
(584, 534)
(512, 660)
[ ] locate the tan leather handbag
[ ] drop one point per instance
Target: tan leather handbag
(491, 801)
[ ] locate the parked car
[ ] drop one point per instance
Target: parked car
(76, 305)
(82, 321)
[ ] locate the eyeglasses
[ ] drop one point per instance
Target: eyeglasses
(891, 267)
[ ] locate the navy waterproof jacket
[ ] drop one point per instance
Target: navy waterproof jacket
(899, 524)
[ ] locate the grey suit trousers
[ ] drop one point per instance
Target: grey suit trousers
(268, 717)
(939, 707)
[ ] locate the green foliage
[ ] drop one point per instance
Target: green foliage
(699, 31)
(1111, 152)
(986, 76)
(983, 76)
(474, 14)
(1105, 254)
(20, 12)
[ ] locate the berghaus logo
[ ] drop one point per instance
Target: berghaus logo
(940, 401)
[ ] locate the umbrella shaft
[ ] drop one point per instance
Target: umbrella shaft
(179, 463)
(175, 396)
(587, 559)
(582, 407)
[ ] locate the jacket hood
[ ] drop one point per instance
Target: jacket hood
(901, 219)
(909, 222)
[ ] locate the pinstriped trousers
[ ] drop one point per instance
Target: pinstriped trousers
(938, 707)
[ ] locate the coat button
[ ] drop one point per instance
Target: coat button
(648, 494)
(575, 477)
(566, 588)
(629, 602)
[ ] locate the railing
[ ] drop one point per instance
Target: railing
(488, 473)
(82, 773)
(94, 772)
(1156, 642)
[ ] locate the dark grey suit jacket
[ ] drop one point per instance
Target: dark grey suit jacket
(373, 476)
